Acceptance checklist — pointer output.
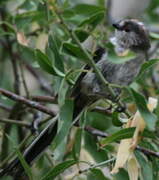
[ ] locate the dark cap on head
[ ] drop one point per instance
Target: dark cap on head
(132, 34)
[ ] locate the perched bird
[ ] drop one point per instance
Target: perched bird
(130, 34)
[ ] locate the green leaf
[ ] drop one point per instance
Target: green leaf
(62, 92)
(24, 164)
(65, 122)
(122, 134)
(154, 35)
(46, 64)
(77, 145)
(93, 20)
(146, 168)
(27, 53)
(53, 45)
(58, 169)
(84, 10)
(147, 65)
(141, 104)
(81, 12)
(81, 34)
(10, 27)
(98, 174)
(87, 9)
(113, 57)
(115, 119)
(121, 175)
(74, 50)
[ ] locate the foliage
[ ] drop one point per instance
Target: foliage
(43, 51)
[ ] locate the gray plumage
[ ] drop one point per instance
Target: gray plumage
(120, 74)
(130, 34)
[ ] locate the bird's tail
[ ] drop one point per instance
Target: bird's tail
(32, 152)
(48, 134)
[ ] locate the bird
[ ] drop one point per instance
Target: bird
(129, 34)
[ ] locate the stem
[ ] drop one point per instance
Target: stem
(23, 80)
(16, 122)
(97, 165)
(27, 102)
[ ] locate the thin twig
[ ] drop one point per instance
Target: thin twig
(15, 67)
(102, 110)
(95, 131)
(11, 121)
(147, 151)
(47, 99)
(27, 102)
(23, 80)
(4, 107)
(97, 165)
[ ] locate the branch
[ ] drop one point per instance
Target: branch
(11, 121)
(23, 80)
(147, 151)
(4, 107)
(95, 131)
(97, 165)
(47, 99)
(27, 102)
(102, 110)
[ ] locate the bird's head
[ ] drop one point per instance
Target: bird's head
(132, 34)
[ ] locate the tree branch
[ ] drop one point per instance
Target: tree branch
(27, 102)
(11, 121)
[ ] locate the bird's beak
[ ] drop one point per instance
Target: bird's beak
(117, 26)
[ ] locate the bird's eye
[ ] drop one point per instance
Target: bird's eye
(127, 28)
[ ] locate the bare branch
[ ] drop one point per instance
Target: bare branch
(27, 102)
(11, 121)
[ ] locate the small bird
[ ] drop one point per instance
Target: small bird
(130, 34)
